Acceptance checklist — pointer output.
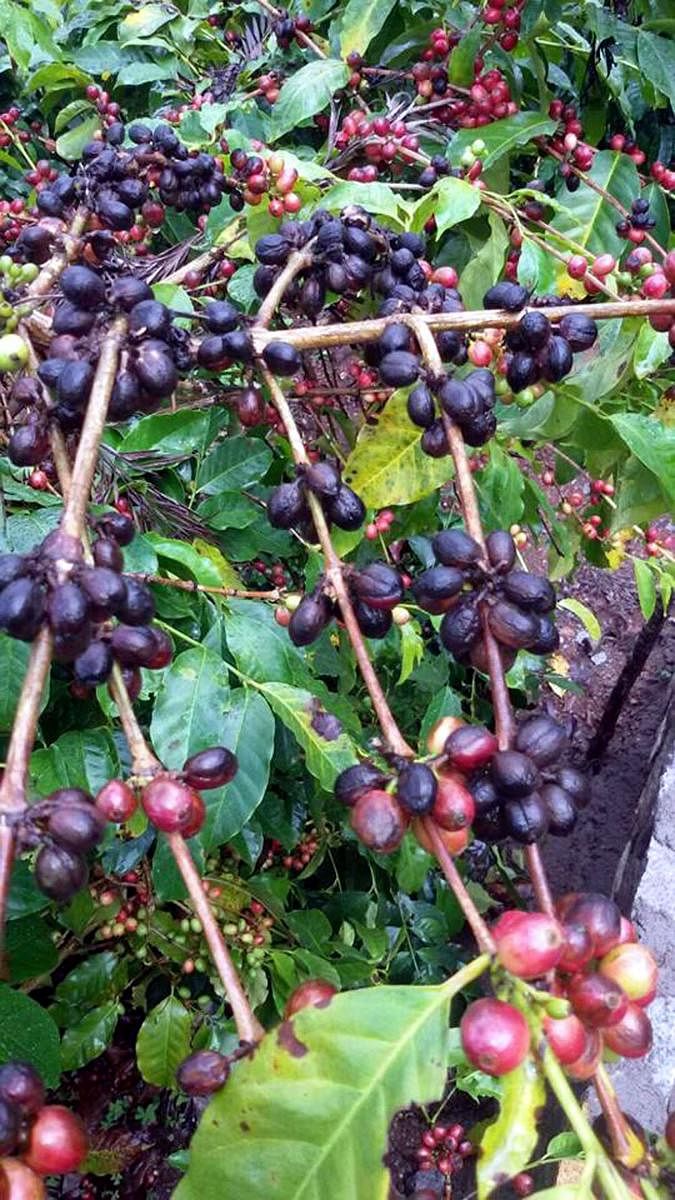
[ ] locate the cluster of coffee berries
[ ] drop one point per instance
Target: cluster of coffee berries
(566, 141)
(375, 590)
(380, 142)
(526, 792)
(288, 506)
(300, 856)
(171, 800)
(467, 582)
(468, 403)
(254, 176)
(36, 1139)
(287, 28)
(504, 18)
(14, 277)
(65, 826)
(445, 1148)
(539, 352)
(638, 222)
(658, 171)
(53, 585)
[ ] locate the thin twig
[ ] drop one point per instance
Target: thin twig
(58, 262)
(296, 263)
(479, 929)
(188, 585)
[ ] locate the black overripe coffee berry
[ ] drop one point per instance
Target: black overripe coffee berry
(22, 1087)
(435, 589)
(220, 316)
(67, 608)
(238, 345)
(378, 584)
(461, 627)
(514, 774)
(273, 249)
(155, 368)
(59, 872)
(134, 645)
(373, 622)
(309, 619)
(138, 606)
(501, 550)
(286, 505)
(346, 510)
(203, 1073)
(434, 441)
(210, 353)
(127, 396)
(9, 1127)
(511, 625)
(399, 368)
(557, 359)
(459, 401)
(521, 371)
(354, 781)
(529, 590)
(127, 291)
(575, 784)
(22, 609)
(395, 337)
(562, 813)
(282, 358)
(509, 296)
(578, 330)
(93, 666)
(76, 827)
(455, 548)
(526, 820)
(83, 287)
(12, 566)
(542, 739)
(323, 478)
(118, 526)
(28, 445)
(547, 638)
(70, 319)
(106, 553)
(416, 788)
(210, 768)
(421, 407)
(535, 330)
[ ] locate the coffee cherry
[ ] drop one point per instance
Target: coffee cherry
(416, 788)
(436, 588)
(18, 1182)
(523, 1184)
(377, 821)
(501, 550)
(455, 548)
(59, 872)
(514, 774)
(9, 1127)
(585, 1066)
(196, 819)
(526, 820)
(57, 1143)
(471, 747)
(598, 1001)
(529, 945)
(77, 828)
(631, 1036)
(309, 619)
(577, 950)
(509, 296)
(203, 1073)
(22, 1087)
(495, 1036)
(281, 358)
(211, 768)
(440, 732)
(635, 970)
(378, 585)
(566, 1036)
(315, 992)
(116, 801)
(354, 781)
(600, 916)
(454, 807)
(168, 804)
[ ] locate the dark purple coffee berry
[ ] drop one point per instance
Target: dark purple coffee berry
(514, 774)
(579, 330)
(210, 768)
(416, 788)
(94, 665)
(22, 1087)
(286, 505)
(455, 548)
(9, 1127)
(60, 873)
(501, 550)
(323, 478)
(203, 1073)
(435, 589)
(67, 608)
(106, 553)
(281, 358)
(421, 407)
(399, 368)
(511, 625)
(22, 609)
(309, 619)
(576, 785)
(542, 738)
(526, 820)
(561, 809)
(461, 627)
(509, 296)
(83, 287)
(77, 828)
(354, 781)
(346, 510)
(378, 584)
(373, 622)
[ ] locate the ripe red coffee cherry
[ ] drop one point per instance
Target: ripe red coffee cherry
(116, 801)
(197, 817)
(566, 1036)
(471, 747)
(18, 1182)
(454, 807)
(600, 916)
(440, 732)
(528, 944)
(21, 1086)
(598, 1001)
(203, 1073)
(378, 821)
(588, 1062)
(634, 968)
(577, 950)
(495, 1036)
(316, 992)
(631, 1037)
(168, 804)
(57, 1142)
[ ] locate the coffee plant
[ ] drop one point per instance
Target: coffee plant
(332, 339)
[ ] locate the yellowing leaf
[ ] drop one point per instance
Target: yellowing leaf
(227, 573)
(387, 465)
(586, 616)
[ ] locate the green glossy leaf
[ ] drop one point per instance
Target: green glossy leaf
(296, 708)
(537, 270)
(89, 1037)
(564, 1145)
(587, 217)
(71, 144)
(259, 646)
(501, 136)
(646, 587)
(178, 432)
(639, 499)
(28, 1032)
(324, 1087)
(234, 464)
(163, 1042)
(306, 92)
(202, 561)
(501, 489)
(656, 57)
(24, 895)
(86, 759)
(191, 703)
(387, 466)
(508, 1142)
(585, 615)
(30, 949)
(142, 22)
(485, 267)
(98, 978)
(653, 443)
(135, 74)
(248, 730)
(377, 198)
(361, 21)
(14, 657)
(651, 350)
(450, 201)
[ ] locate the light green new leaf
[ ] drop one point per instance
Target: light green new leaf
(71, 144)
(646, 587)
(296, 709)
(163, 1042)
(508, 1142)
(585, 614)
(412, 650)
(387, 465)
(307, 1117)
(361, 21)
(307, 92)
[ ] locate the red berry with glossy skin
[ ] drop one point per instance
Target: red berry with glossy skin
(168, 804)
(203, 1073)
(116, 801)
(635, 970)
(495, 1036)
(566, 1037)
(57, 1142)
(317, 992)
(197, 817)
(523, 1184)
(18, 1182)
(577, 949)
(454, 807)
(440, 732)
(471, 747)
(378, 821)
(528, 944)
(631, 1037)
(598, 1001)
(588, 1062)
(600, 916)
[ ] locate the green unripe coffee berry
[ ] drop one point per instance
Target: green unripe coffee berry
(13, 352)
